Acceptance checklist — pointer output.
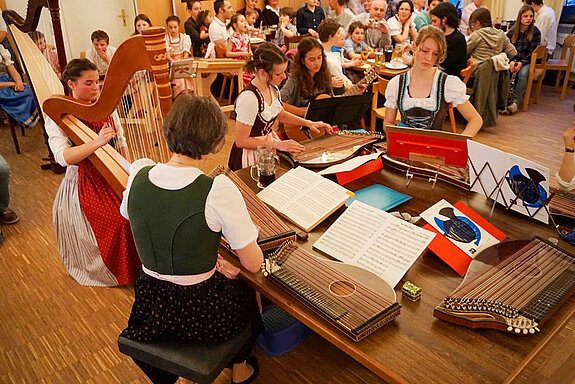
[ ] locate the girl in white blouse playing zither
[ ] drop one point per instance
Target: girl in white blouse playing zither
(423, 94)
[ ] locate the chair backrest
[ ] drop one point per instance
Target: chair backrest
(539, 57)
(380, 85)
(568, 43)
(293, 42)
(467, 71)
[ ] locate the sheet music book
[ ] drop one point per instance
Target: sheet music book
(375, 240)
(304, 197)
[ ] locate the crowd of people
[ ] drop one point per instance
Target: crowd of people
(105, 241)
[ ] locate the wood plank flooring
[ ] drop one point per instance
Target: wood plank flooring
(53, 330)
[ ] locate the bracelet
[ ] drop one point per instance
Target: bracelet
(569, 150)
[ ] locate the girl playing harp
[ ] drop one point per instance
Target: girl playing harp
(95, 241)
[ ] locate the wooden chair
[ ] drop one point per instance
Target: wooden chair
(536, 73)
(465, 74)
(12, 124)
(221, 53)
(293, 42)
(564, 64)
(379, 113)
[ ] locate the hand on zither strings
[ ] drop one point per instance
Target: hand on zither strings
(290, 146)
(318, 126)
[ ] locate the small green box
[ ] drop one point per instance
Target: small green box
(411, 291)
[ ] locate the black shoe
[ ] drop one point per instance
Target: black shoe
(253, 362)
(1, 237)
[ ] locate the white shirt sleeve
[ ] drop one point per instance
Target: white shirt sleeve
(547, 24)
(394, 27)
(391, 93)
(247, 108)
(187, 43)
(57, 140)
(226, 211)
(5, 56)
(91, 54)
(455, 91)
(135, 167)
(111, 51)
(565, 185)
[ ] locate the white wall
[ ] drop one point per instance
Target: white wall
(511, 8)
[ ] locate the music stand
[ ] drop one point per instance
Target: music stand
(430, 146)
(345, 112)
(183, 69)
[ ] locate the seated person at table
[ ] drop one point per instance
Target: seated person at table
(309, 77)
(444, 16)
(100, 53)
(258, 106)
(423, 94)
(184, 279)
(465, 24)
(218, 31)
(422, 19)
(251, 20)
(309, 17)
(525, 36)
(486, 41)
(331, 35)
(271, 12)
(285, 28)
(566, 173)
(376, 33)
(251, 5)
(238, 46)
(199, 36)
(16, 98)
(354, 43)
(401, 27)
(341, 14)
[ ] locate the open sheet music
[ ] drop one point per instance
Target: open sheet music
(375, 240)
(304, 197)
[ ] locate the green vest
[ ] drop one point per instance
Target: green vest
(169, 226)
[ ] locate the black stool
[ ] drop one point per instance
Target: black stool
(201, 363)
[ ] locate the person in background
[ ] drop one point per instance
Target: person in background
(546, 21)
(418, 7)
(444, 16)
(285, 27)
(332, 34)
(51, 56)
(391, 9)
(252, 20)
(422, 19)
(354, 43)
(400, 26)
(218, 30)
(466, 14)
(7, 216)
(141, 22)
(309, 17)
(423, 94)
(342, 14)
(376, 33)
(271, 12)
(525, 36)
(566, 173)
(258, 107)
(486, 41)
(101, 52)
(94, 240)
(251, 6)
(178, 46)
(200, 37)
(309, 77)
(184, 279)
(238, 45)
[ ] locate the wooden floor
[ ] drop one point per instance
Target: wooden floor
(53, 330)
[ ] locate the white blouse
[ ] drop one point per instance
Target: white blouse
(225, 208)
(454, 93)
(59, 141)
(247, 107)
(181, 44)
(394, 26)
(5, 57)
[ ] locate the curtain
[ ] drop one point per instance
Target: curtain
(496, 7)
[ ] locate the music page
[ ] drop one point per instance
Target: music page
(375, 240)
(304, 197)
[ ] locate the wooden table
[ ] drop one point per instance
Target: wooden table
(382, 70)
(206, 73)
(416, 347)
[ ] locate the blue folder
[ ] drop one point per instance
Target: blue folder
(380, 197)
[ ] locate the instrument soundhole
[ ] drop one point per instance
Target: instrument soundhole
(530, 271)
(342, 288)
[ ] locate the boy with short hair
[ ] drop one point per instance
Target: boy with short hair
(101, 52)
(285, 27)
(354, 43)
(251, 17)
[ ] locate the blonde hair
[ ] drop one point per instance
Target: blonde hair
(431, 32)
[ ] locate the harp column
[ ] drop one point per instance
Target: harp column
(55, 15)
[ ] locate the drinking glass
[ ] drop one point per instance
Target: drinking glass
(388, 53)
(265, 168)
(379, 57)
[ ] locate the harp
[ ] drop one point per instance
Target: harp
(137, 84)
(513, 286)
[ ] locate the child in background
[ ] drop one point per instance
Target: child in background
(238, 46)
(205, 18)
(354, 44)
(101, 52)
(40, 40)
(141, 22)
(285, 27)
(178, 46)
(251, 18)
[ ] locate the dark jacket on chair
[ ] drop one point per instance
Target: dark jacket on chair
(490, 91)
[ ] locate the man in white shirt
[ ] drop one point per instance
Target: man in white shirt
(467, 11)
(218, 31)
(546, 21)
